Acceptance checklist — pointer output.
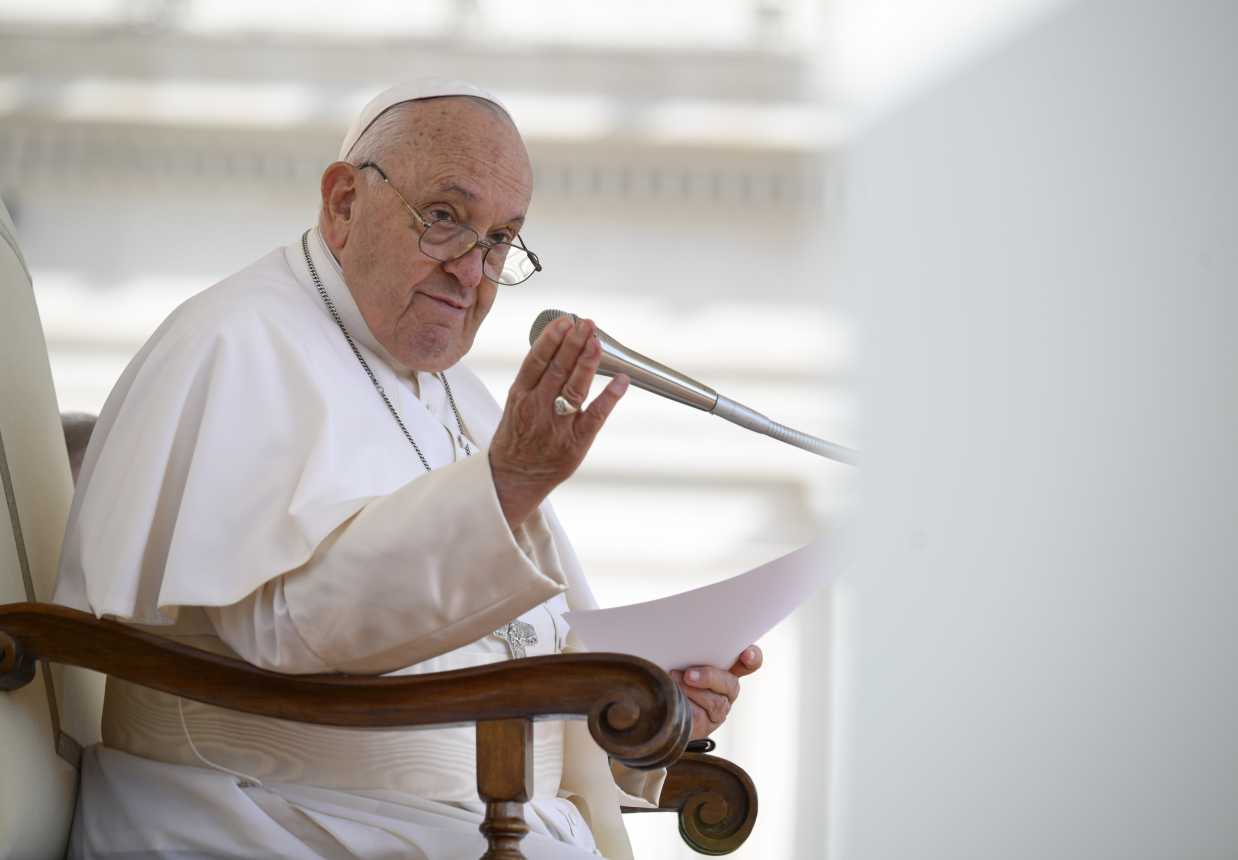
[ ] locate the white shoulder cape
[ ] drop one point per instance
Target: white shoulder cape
(247, 416)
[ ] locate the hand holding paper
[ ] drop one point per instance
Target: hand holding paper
(713, 691)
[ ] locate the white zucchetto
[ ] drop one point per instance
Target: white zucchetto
(411, 91)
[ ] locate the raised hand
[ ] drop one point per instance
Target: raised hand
(535, 449)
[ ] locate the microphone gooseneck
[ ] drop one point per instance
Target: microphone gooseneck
(650, 375)
(738, 413)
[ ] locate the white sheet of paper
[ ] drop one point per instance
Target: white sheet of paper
(707, 626)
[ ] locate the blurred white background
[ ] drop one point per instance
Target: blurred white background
(1035, 638)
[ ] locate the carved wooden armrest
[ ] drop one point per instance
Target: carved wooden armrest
(715, 799)
(635, 711)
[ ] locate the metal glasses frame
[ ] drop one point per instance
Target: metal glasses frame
(425, 224)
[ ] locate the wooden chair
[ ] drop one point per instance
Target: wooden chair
(634, 710)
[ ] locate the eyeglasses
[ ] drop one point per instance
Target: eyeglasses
(446, 240)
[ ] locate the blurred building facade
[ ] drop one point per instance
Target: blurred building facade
(148, 149)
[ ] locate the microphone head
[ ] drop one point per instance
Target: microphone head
(544, 319)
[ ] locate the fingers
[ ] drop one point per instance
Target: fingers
(749, 661)
(564, 362)
(707, 678)
(591, 420)
(713, 691)
(539, 357)
(715, 706)
(576, 387)
(709, 709)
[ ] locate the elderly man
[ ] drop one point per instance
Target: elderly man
(296, 469)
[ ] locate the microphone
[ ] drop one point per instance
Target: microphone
(652, 376)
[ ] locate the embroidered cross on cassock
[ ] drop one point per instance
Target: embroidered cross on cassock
(517, 635)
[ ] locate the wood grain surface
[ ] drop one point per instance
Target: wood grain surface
(715, 799)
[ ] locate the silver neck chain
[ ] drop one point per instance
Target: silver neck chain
(515, 634)
(335, 315)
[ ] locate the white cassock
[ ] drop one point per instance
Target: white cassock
(247, 491)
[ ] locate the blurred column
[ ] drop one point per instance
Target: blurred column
(1038, 638)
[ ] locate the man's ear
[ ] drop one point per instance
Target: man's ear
(339, 200)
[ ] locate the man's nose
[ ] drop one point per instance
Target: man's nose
(467, 268)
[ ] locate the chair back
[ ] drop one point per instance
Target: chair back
(38, 765)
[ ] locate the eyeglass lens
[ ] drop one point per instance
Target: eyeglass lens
(503, 263)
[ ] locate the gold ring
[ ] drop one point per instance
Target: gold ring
(563, 406)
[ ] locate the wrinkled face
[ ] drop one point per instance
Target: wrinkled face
(463, 160)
